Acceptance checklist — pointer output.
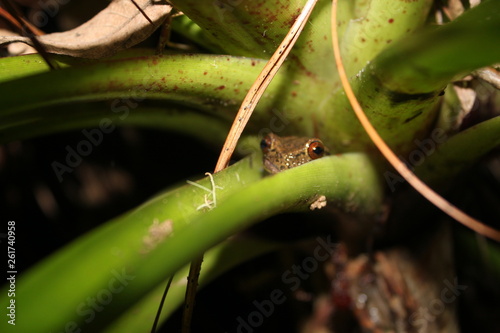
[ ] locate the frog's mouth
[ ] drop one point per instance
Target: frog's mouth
(270, 167)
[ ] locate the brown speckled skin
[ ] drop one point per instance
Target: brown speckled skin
(281, 153)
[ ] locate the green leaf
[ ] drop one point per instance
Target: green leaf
(444, 160)
(123, 253)
(216, 261)
(376, 25)
(431, 59)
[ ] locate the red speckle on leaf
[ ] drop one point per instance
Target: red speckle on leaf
(391, 20)
(220, 87)
(291, 21)
(363, 40)
(205, 73)
(310, 46)
(294, 94)
(253, 63)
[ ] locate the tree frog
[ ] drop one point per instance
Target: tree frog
(281, 153)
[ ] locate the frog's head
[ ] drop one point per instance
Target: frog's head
(281, 153)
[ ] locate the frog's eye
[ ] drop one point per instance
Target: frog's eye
(316, 149)
(265, 144)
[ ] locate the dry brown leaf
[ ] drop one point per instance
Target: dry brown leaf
(467, 97)
(14, 49)
(408, 290)
(490, 75)
(117, 27)
(454, 9)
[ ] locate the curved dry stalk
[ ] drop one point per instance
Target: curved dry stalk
(260, 85)
(242, 117)
(407, 174)
(12, 12)
(15, 22)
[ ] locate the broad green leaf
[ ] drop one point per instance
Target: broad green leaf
(132, 251)
(457, 152)
(431, 59)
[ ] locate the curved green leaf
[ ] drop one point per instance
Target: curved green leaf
(431, 59)
(126, 252)
(210, 82)
(106, 117)
(375, 26)
(216, 261)
(445, 159)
